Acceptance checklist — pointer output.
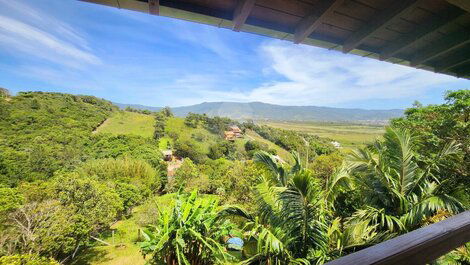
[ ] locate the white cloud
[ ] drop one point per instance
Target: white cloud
(28, 31)
(314, 76)
(317, 76)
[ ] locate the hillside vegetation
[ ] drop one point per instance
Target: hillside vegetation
(72, 196)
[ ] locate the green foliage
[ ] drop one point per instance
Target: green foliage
(192, 120)
(4, 93)
(221, 149)
(94, 202)
(159, 127)
(26, 259)
(189, 233)
(140, 111)
(137, 172)
(44, 132)
(290, 140)
(253, 146)
(108, 146)
(166, 111)
(187, 148)
(399, 194)
(10, 199)
(436, 125)
(324, 166)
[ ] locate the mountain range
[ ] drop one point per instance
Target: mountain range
(265, 111)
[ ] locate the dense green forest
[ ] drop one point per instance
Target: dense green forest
(68, 190)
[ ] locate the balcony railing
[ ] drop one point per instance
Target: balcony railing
(418, 247)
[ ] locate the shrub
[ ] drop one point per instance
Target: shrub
(27, 259)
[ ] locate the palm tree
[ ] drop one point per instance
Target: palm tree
(292, 222)
(398, 189)
(187, 234)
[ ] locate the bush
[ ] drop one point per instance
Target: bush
(27, 259)
(127, 170)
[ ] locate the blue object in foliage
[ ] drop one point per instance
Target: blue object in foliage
(235, 243)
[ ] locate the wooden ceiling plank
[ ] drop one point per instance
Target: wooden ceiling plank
(154, 7)
(444, 45)
(381, 21)
(311, 22)
(463, 4)
(420, 33)
(241, 13)
(456, 59)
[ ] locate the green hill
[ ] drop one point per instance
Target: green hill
(43, 132)
(130, 123)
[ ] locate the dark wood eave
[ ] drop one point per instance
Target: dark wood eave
(427, 34)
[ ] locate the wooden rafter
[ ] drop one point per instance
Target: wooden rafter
(464, 4)
(421, 32)
(455, 59)
(154, 7)
(310, 23)
(442, 46)
(383, 20)
(241, 13)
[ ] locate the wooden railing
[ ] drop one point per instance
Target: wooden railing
(417, 247)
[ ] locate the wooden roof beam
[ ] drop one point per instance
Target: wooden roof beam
(381, 21)
(463, 4)
(311, 22)
(421, 32)
(241, 13)
(444, 45)
(455, 59)
(154, 7)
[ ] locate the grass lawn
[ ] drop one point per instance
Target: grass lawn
(124, 122)
(349, 135)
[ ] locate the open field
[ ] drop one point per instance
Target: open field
(349, 135)
(125, 122)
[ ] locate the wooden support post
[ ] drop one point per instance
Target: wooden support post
(154, 7)
(241, 13)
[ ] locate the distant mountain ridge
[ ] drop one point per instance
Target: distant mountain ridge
(265, 111)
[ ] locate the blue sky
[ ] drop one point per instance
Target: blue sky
(128, 57)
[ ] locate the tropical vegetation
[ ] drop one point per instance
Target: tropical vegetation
(78, 178)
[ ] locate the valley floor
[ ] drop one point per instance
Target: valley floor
(349, 136)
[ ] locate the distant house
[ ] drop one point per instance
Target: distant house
(167, 155)
(229, 135)
(233, 133)
(336, 144)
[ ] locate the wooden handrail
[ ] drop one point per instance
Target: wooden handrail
(417, 247)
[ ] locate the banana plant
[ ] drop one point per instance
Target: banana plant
(190, 233)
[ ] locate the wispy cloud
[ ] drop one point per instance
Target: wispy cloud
(23, 30)
(313, 75)
(131, 57)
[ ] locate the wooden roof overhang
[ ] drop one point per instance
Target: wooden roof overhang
(428, 34)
